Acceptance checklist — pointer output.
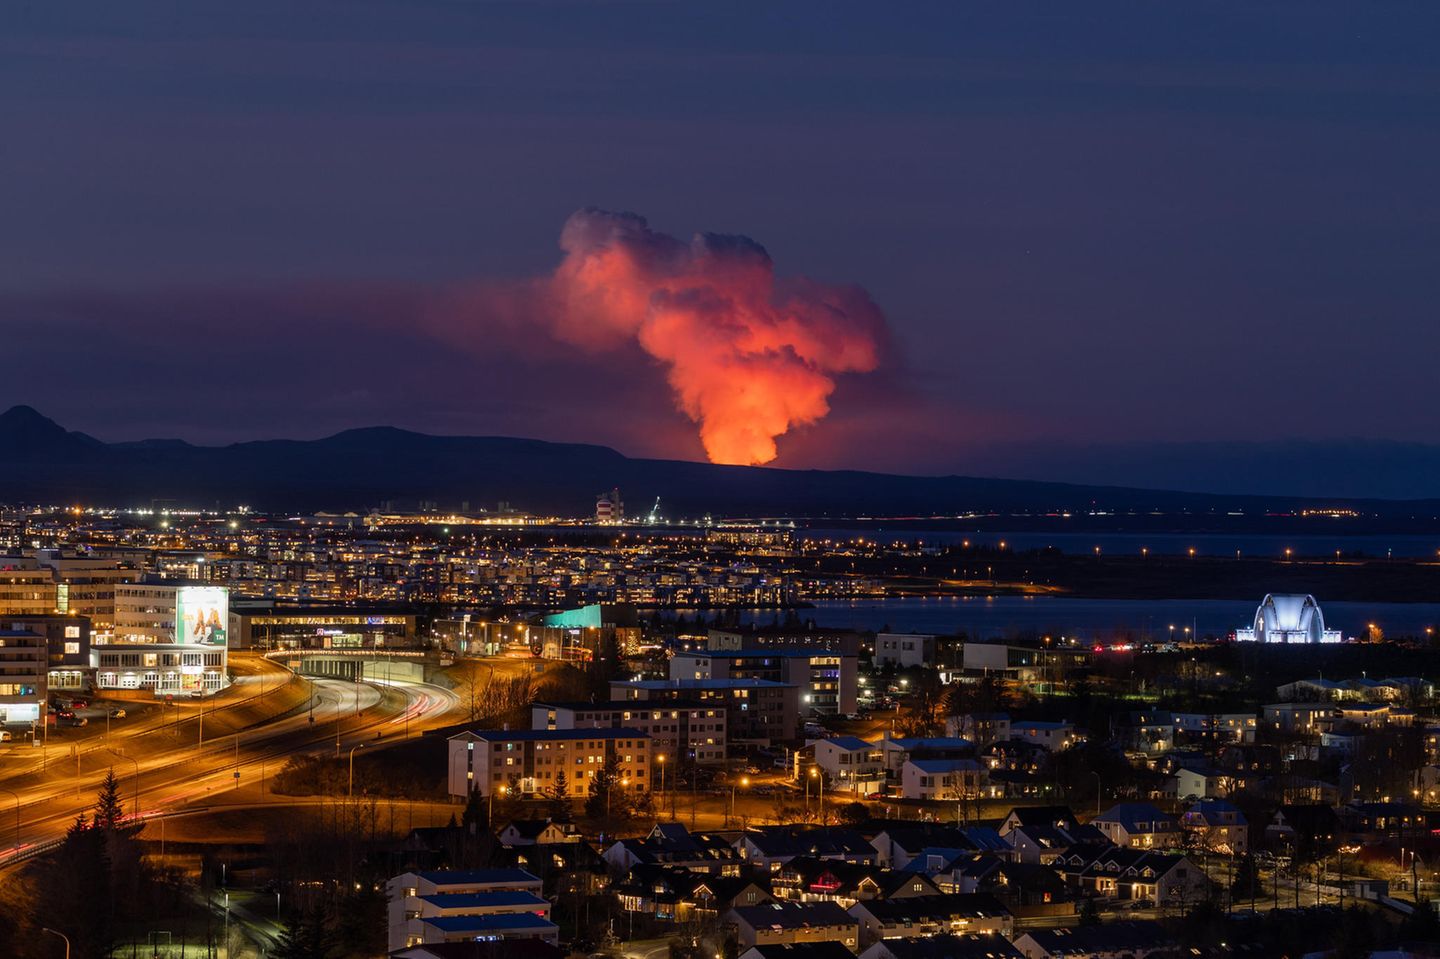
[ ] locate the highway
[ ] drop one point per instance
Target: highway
(163, 766)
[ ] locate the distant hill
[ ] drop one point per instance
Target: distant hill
(359, 469)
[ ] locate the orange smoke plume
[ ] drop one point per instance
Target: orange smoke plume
(748, 359)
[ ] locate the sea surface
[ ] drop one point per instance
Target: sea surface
(1397, 546)
(1099, 620)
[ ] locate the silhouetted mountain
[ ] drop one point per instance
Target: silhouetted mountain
(23, 430)
(359, 469)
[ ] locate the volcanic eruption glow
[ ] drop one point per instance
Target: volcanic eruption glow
(748, 357)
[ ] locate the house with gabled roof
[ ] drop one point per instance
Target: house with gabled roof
(1138, 824)
(1218, 825)
(770, 847)
(1136, 939)
(1160, 878)
(532, 832)
(921, 916)
(943, 947)
(671, 844)
(785, 922)
(898, 844)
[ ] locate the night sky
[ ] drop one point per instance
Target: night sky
(1091, 228)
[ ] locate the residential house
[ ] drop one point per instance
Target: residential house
(1314, 824)
(679, 895)
(980, 728)
(809, 879)
(1054, 736)
(533, 832)
(1138, 824)
(1133, 939)
(1144, 875)
(897, 752)
(770, 847)
(941, 779)
(781, 922)
(919, 916)
(671, 844)
(1218, 825)
(851, 764)
(900, 842)
(942, 947)
(799, 950)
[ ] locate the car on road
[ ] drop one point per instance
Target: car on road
(79, 702)
(5, 736)
(73, 720)
(117, 712)
(66, 714)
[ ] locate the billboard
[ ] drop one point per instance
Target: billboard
(202, 615)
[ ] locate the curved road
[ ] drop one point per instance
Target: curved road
(340, 715)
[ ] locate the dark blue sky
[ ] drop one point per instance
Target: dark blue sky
(1088, 224)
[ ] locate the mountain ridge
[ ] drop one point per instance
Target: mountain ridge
(363, 467)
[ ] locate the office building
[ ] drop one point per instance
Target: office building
(168, 637)
(276, 626)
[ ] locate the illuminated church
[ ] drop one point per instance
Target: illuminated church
(1288, 618)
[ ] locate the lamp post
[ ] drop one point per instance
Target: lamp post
(743, 781)
(661, 760)
(820, 780)
(350, 790)
(1098, 790)
(17, 817)
(61, 935)
(490, 814)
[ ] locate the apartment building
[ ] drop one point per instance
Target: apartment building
(24, 662)
(531, 760)
(826, 678)
(687, 730)
(68, 643)
(757, 711)
(466, 905)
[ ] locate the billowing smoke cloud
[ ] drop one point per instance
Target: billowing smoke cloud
(748, 358)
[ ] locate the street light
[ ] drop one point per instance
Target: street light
(490, 814)
(815, 775)
(743, 781)
(61, 935)
(350, 791)
(661, 760)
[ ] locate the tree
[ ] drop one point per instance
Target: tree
(1089, 913)
(476, 817)
(305, 937)
(853, 813)
(600, 805)
(558, 796)
(109, 809)
(1247, 882)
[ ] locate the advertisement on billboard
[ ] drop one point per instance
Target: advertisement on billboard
(202, 615)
